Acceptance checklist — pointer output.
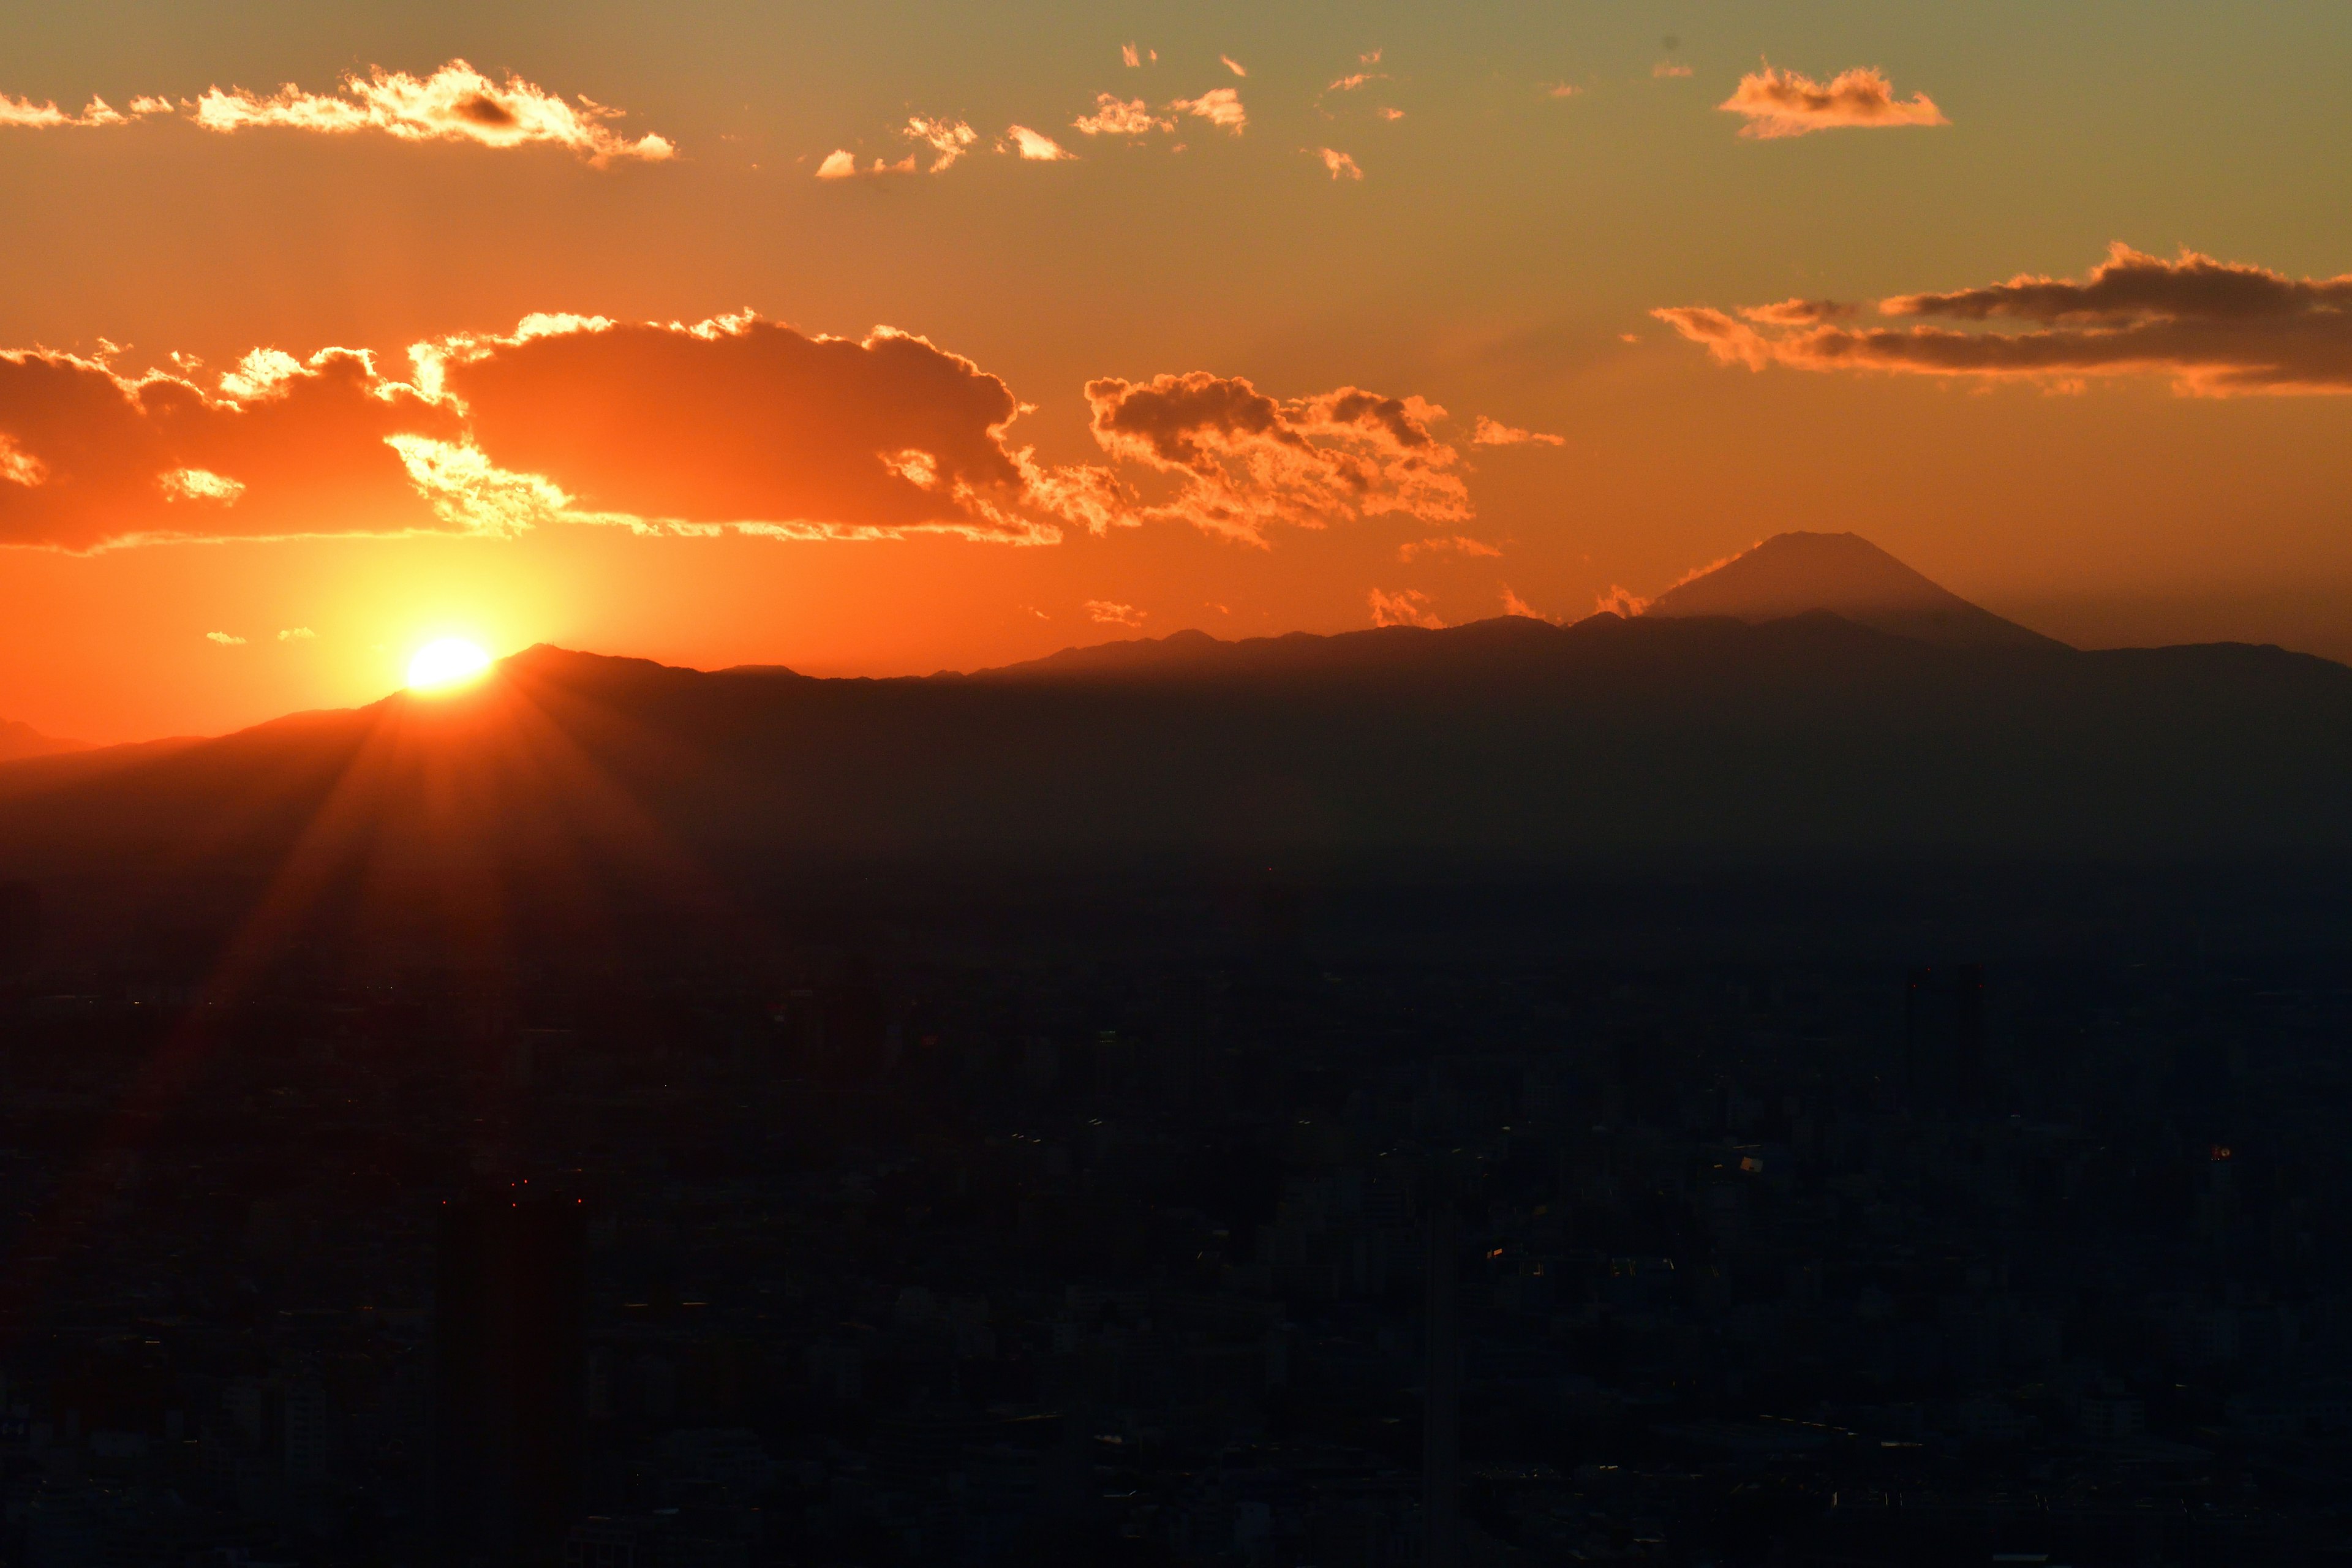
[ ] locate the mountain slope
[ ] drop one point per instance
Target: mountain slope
(1844, 573)
(19, 740)
(1510, 741)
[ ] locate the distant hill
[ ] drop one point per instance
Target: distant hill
(17, 741)
(1512, 742)
(1844, 573)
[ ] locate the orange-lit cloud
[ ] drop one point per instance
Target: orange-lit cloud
(1220, 106)
(1456, 542)
(456, 103)
(1130, 58)
(1666, 70)
(744, 423)
(1339, 164)
(2214, 328)
(1232, 64)
(224, 639)
(1115, 117)
(1409, 608)
(1106, 612)
(98, 458)
(731, 424)
(1515, 605)
(1493, 433)
(297, 634)
(1619, 601)
(1245, 463)
(948, 138)
(841, 163)
(1797, 313)
(25, 113)
(1780, 103)
(1035, 146)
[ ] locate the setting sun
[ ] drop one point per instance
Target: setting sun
(445, 662)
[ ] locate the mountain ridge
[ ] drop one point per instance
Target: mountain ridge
(1846, 574)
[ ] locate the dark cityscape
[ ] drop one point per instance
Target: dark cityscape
(1269, 1226)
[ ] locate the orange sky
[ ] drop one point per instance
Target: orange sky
(1180, 313)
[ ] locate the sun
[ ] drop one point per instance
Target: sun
(445, 662)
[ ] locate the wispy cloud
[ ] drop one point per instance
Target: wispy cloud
(25, 113)
(950, 139)
(1460, 543)
(1779, 104)
(1339, 164)
(841, 163)
(2213, 328)
(1220, 106)
(1035, 146)
(1493, 433)
(1408, 608)
(1515, 605)
(456, 103)
(1114, 116)
(1233, 65)
(1106, 612)
(297, 634)
(1619, 601)
(1669, 70)
(224, 639)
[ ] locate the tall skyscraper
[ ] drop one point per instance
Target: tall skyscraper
(20, 926)
(509, 1373)
(1441, 1435)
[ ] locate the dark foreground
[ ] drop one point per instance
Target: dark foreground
(1909, 1218)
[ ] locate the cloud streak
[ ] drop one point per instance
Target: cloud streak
(454, 103)
(2214, 328)
(1494, 432)
(1779, 104)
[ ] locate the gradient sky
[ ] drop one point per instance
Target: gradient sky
(2162, 455)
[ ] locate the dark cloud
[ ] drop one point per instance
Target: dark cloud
(1247, 462)
(2214, 328)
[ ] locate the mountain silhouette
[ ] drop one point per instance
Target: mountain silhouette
(1510, 742)
(1844, 573)
(18, 741)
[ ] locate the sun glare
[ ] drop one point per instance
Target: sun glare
(445, 662)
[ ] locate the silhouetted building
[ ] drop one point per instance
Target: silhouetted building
(1441, 1438)
(1943, 1034)
(510, 1372)
(20, 926)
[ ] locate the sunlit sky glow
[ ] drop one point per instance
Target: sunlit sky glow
(901, 337)
(445, 662)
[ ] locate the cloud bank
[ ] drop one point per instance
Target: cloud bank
(734, 423)
(2214, 328)
(1781, 104)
